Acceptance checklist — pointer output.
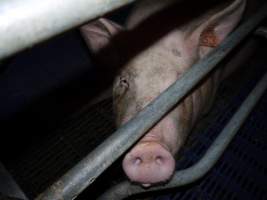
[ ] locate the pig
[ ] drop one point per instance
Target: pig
(184, 35)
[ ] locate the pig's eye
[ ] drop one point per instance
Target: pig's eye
(123, 82)
(121, 87)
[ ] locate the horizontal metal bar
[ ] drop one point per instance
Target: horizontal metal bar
(87, 170)
(28, 22)
(210, 158)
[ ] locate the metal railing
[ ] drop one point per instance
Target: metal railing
(86, 171)
(26, 23)
(29, 22)
(198, 170)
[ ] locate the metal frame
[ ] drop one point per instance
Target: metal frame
(29, 22)
(198, 170)
(42, 20)
(86, 171)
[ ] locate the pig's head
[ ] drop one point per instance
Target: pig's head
(151, 160)
(149, 73)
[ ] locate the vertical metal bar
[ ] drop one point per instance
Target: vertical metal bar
(87, 170)
(28, 22)
(210, 158)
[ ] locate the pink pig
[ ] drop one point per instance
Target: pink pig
(155, 67)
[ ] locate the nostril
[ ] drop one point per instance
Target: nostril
(137, 161)
(159, 160)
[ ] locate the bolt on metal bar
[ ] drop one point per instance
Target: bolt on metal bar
(210, 158)
(26, 23)
(87, 170)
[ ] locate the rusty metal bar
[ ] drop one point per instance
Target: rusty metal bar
(26, 23)
(87, 170)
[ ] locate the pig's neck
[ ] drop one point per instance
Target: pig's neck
(198, 102)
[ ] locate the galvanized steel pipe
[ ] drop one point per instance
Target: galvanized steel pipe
(210, 158)
(87, 170)
(28, 22)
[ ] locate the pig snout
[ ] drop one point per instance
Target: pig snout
(149, 163)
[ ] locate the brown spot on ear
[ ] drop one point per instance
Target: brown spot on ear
(208, 38)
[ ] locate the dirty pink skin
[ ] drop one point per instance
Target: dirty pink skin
(151, 71)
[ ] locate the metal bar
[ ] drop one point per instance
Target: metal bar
(26, 23)
(87, 170)
(262, 31)
(8, 185)
(198, 170)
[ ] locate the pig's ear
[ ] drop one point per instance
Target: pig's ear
(215, 26)
(98, 34)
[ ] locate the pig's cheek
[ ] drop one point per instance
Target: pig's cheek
(172, 139)
(128, 113)
(119, 111)
(175, 129)
(162, 133)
